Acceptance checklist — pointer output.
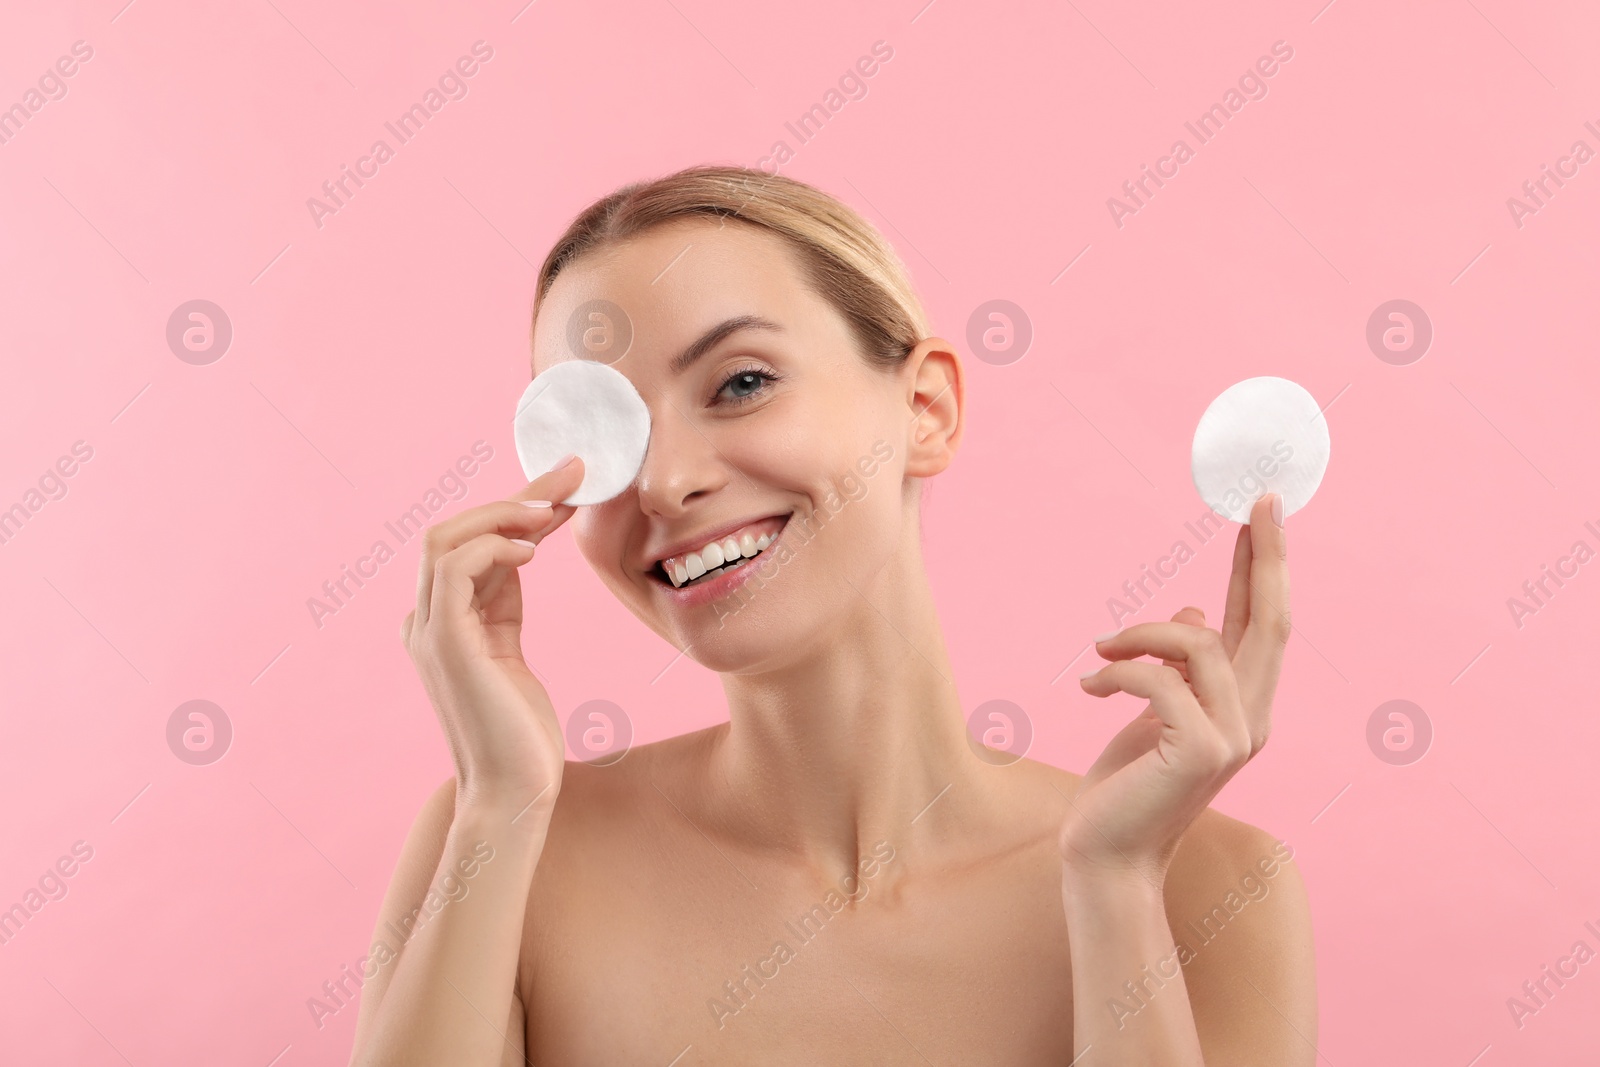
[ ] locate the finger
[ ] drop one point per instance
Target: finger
(466, 576)
(1259, 658)
(1206, 750)
(510, 518)
(1191, 616)
(1236, 615)
(1170, 696)
(1210, 674)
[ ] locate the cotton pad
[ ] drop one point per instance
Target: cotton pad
(591, 410)
(1263, 435)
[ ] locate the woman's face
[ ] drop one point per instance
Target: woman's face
(777, 428)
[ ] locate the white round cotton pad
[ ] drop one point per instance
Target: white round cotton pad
(589, 409)
(1263, 435)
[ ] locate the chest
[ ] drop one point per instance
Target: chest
(672, 960)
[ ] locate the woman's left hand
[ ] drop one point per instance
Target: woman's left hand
(1210, 711)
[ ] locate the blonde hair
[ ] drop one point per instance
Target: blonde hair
(846, 261)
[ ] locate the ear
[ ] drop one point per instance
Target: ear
(936, 400)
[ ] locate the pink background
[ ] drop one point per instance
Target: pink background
(370, 354)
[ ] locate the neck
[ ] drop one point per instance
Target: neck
(848, 743)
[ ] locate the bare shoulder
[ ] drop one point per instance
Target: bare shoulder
(610, 792)
(1224, 861)
(1241, 922)
(1240, 918)
(1218, 855)
(1218, 849)
(621, 808)
(608, 818)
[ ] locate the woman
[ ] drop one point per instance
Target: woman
(834, 875)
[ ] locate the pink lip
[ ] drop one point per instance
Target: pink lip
(712, 589)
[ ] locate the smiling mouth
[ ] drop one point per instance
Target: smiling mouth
(682, 574)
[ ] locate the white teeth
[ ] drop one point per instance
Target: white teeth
(692, 565)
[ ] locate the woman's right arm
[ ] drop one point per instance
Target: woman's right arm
(455, 906)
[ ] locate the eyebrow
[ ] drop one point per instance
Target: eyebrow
(718, 333)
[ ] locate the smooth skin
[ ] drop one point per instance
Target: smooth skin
(832, 875)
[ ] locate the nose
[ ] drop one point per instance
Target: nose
(680, 464)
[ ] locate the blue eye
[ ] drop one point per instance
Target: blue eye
(747, 383)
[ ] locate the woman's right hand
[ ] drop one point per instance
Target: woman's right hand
(464, 638)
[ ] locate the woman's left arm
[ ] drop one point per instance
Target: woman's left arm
(1210, 711)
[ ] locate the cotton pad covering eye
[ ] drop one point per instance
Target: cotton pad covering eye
(591, 410)
(1263, 435)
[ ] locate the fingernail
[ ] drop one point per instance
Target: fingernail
(536, 503)
(1086, 674)
(1277, 508)
(1108, 635)
(563, 461)
(520, 541)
